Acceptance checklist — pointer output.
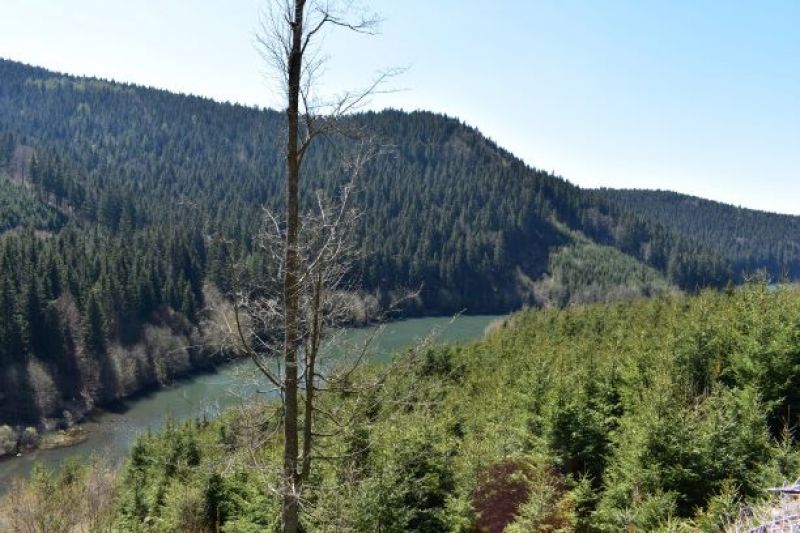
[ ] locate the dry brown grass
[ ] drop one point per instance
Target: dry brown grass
(77, 500)
(778, 517)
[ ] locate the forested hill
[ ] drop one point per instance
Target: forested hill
(448, 210)
(750, 240)
(125, 207)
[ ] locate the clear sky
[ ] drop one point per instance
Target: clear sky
(701, 97)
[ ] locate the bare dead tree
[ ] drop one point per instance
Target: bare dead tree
(281, 321)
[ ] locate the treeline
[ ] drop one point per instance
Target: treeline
(76, 305)
(750, 240)
(686, 263)
(584, 273)
(447, 210)
(664, 414)
(130, 201)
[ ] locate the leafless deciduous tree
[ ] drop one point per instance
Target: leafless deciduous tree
(281, 321)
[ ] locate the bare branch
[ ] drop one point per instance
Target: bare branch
(306, 289)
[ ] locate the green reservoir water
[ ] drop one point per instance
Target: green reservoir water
(112, 433)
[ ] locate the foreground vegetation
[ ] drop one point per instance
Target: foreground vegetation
(670, 413)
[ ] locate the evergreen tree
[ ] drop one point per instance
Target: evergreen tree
(94, 327)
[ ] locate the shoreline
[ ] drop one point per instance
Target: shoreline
(50, 440)
(74, 428)
(17, 440)
(108, 431)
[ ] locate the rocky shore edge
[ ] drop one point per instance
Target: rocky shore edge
(52, 433)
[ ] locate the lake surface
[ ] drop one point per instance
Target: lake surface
(112, 433)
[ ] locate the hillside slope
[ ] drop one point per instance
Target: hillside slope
(750, 240)
(449, 210)
(131, 206)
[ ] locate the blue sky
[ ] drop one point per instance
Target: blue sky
(702, 97)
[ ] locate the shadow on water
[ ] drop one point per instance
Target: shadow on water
(120, 407)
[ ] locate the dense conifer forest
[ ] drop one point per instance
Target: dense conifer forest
(750, 240)
(124, 209)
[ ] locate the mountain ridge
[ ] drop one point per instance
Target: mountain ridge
(164, 195)
(750, 239)
(690, 196)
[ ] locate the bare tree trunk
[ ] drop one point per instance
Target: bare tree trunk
(312, 265)
(291, 490)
